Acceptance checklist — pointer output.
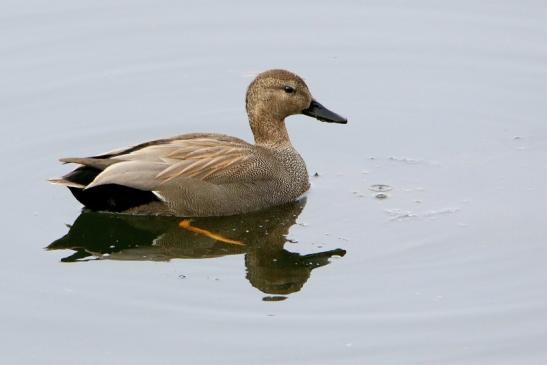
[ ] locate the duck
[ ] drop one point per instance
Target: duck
(207, 174)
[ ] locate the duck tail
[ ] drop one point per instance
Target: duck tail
(64, 182)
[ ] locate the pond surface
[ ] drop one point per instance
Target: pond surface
(422, 240)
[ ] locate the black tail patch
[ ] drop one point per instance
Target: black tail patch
(83, 175)
(111, 197)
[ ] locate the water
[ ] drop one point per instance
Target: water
(446, 106)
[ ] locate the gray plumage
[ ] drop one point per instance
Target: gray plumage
(208, 174)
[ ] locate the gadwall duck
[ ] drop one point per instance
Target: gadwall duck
(207, 174)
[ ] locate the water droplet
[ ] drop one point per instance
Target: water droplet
(381, 196)
(380, 188)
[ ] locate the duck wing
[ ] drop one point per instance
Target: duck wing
(213, 158)
(188, 175)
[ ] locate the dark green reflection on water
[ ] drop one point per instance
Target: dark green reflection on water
(270, 268)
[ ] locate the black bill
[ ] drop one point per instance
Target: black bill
(318, 111)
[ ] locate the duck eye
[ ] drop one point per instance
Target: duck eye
(288, 89)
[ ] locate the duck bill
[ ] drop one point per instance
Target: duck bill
(318, 111)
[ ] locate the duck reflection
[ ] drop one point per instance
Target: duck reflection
(270, 267)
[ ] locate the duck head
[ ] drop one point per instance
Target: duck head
(276, 94)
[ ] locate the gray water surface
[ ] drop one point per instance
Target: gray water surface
(447, 108)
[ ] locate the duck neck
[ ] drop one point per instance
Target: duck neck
(269, 130)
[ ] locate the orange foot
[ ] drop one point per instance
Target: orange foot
(186, 225)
